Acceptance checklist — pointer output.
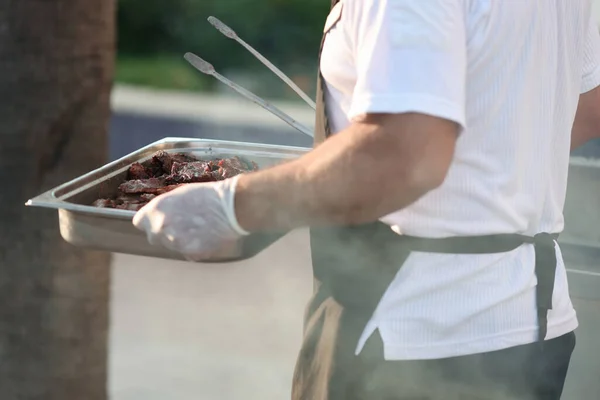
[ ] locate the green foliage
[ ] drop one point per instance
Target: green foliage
(161, 72)
(287, 32)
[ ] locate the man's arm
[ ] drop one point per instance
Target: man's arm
(379, 164)
(408, 106)
(587, 119)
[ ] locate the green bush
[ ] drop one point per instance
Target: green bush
(287, 32)
(161, 72)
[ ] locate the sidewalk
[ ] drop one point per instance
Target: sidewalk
(208, 108)
(183, 331)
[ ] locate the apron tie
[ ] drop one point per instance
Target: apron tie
(545, 271)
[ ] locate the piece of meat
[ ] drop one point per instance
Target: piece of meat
(199, 171)
(104, 203)
(147, 197)
(230, 167)
(142, 186)
(137, 171)
(130, 206)
(181, 166)
(168, 188)
(126, 202)
(163, 159)
(130, 199)
(154, 168)
(165, 172)
(183, 158)
(166, 160)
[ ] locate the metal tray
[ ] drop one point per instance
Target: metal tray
(84, 225)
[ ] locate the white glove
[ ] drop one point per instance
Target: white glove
(196, 220)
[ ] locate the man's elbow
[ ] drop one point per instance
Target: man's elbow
(427, 177)
(410, 186)
(372, 205)
(429, 152)
(429, 171)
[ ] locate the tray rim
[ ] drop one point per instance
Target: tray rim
(48, 199)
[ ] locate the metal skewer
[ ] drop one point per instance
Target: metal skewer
(230, 33)
(208, 69)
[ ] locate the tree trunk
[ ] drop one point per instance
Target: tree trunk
(56, 66)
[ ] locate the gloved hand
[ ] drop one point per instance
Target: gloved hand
(196, 220)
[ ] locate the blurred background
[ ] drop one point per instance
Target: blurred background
(83, 82)
(153, 35)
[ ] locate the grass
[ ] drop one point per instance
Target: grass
(161, 72)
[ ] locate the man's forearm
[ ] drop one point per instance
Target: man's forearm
(355, 177)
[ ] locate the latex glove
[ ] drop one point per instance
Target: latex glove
(195, 220)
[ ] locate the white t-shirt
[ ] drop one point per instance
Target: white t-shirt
(510, 73)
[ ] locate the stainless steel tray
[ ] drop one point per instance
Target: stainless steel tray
(84, 225)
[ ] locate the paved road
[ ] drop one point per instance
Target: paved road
(182, 331)
(226, 332)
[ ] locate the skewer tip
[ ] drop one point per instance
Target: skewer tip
(224, 29)
(203, 66)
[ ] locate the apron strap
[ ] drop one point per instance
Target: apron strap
(545, 261)
(545, 272)
(322, 129)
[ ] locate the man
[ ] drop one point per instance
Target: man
(434, 208)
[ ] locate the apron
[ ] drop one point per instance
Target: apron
(352, 268)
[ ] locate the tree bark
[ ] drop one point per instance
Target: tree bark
(56, 67)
